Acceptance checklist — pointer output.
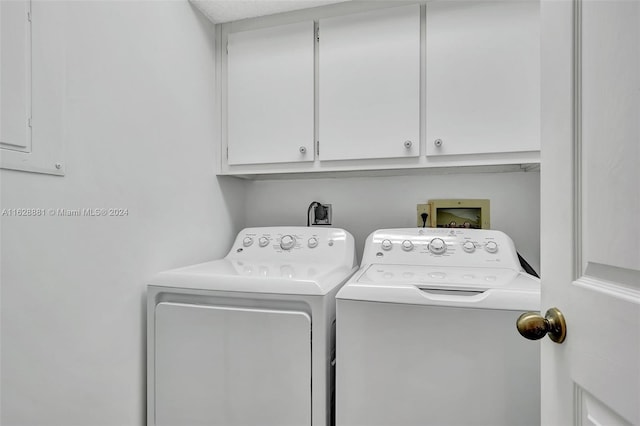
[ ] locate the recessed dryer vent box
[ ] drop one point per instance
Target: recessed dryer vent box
(460, 214)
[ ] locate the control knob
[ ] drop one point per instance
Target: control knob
(313, 242)
(469, 247)
(287, 242)
(437, 246)
(247, 241)
(407, 245)
(386, 245)
(263, 241)
(491, 247)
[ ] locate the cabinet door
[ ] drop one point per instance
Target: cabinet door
(271, 95)
(369, 84)
(483, 77)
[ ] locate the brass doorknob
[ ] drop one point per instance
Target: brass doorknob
(533, 327)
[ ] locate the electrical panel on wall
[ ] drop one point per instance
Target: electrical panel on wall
(15, 90)
(33, 69)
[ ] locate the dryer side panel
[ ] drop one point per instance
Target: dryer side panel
(231, 366)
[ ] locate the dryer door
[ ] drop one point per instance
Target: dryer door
(231, 366)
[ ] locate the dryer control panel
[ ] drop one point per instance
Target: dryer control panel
(441, 247)
(294, 244)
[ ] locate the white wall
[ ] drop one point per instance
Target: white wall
(362, 205)
(138, 135)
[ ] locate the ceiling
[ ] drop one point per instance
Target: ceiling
(219, 11)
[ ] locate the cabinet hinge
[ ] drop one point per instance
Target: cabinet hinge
(227, 47)
(30, 122)
(227, 153)
(318, 148)
(29, 16)
(318, 34)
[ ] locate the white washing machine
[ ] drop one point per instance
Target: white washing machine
(427, 332)
(248, 340)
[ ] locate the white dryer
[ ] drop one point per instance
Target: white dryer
(427, 332)
(248, 340)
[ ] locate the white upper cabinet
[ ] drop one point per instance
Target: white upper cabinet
(270, 97)
(381, 87)
(482, 77)
(15, 76)
(369, 84)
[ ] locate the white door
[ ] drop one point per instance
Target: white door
(590, 219)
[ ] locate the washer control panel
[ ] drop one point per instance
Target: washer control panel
(442, 247)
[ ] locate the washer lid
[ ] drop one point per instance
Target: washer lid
(252, 277)
(483, 288)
